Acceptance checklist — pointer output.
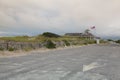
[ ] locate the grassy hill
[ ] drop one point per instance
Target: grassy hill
(48, 40)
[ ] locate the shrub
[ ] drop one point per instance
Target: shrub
(51, 35)
(11, 49)
(103, 41)
(50, 44)
(110, 40)
(66, 42)
(85, 43)
(118, 41)
(1, 49)
(92, 42)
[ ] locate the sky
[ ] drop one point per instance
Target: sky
(32, 17)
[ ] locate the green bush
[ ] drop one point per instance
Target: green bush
(1, 49)
(51, 35)
(50, 44)
(75, 43)
(110, 40)
(103, 41)
(91, 42)
(118, 41)
(66, 42)
(11, 49)
(85, 43)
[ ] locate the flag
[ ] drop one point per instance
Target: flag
(93, 27)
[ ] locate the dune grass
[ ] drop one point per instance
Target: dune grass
(42, 39)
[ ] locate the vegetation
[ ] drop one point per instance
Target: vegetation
(110, 40)
(50, 44)
(11, 49)
(103, 41)
(17, 38)
(27, 49)
(48, 39)
(66, 42)
(1, 49)
(118, 41)
(41, 38)
(50, 35)
(86, 31)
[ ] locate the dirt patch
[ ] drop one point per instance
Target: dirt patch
(23, 53)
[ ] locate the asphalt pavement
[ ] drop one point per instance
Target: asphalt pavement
(92, 62)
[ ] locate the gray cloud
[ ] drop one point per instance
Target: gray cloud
(37, 16)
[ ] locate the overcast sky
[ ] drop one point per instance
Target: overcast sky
(60, 16)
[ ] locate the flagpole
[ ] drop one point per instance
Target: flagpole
(95, 34)
(93, 28)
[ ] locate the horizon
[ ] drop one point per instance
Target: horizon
(14, 35)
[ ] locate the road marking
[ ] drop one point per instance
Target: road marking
(91, 66)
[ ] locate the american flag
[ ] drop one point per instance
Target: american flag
(93, 27)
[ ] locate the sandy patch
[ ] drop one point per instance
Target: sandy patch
(23, 53)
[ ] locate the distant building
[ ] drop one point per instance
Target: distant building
(82, 35)
(74, 34)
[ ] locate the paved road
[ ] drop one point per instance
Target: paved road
(93, 62)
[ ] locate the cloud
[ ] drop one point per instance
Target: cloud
(37, 16)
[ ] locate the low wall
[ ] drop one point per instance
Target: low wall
(12, 45)
(6, 45)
